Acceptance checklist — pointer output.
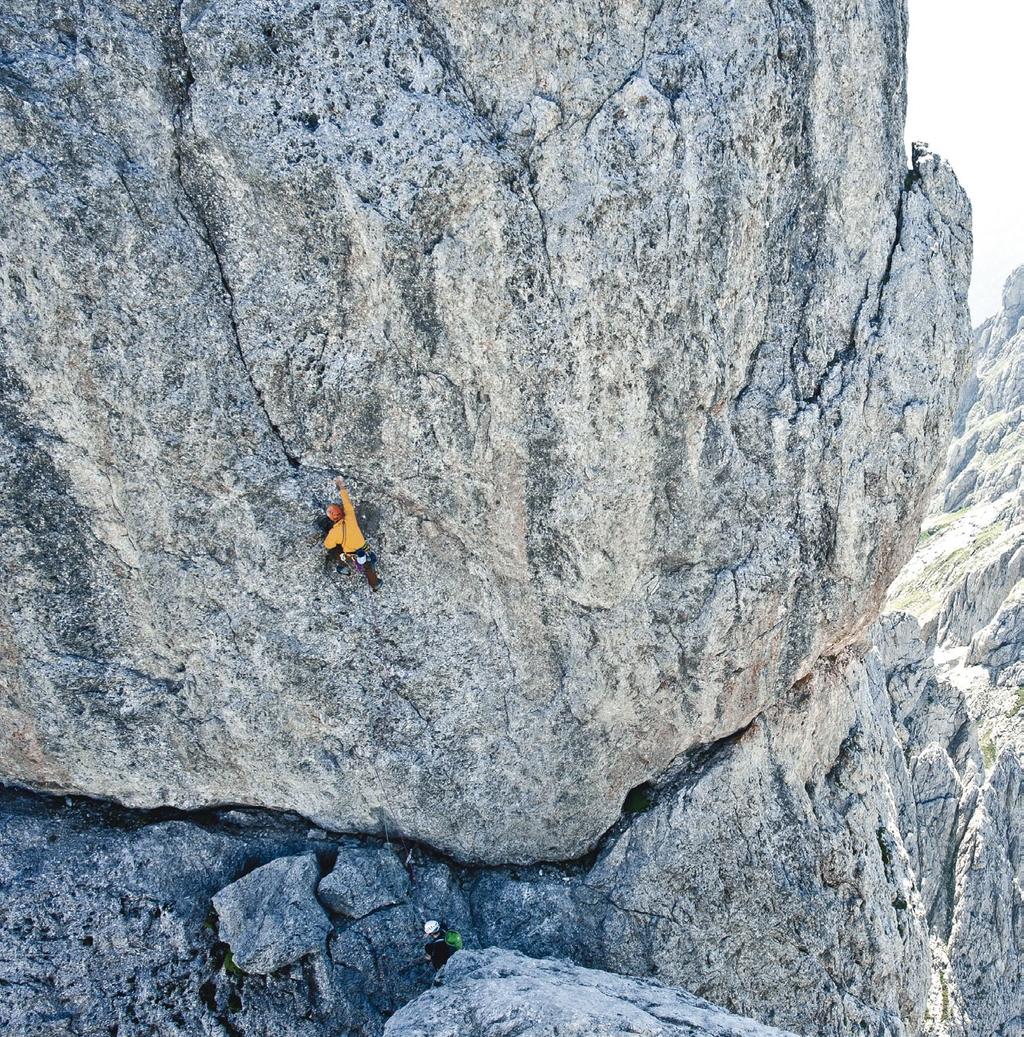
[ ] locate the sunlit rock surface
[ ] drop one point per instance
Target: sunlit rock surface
(635, 336)
(494, 992)
(965, 582)
(639, 345)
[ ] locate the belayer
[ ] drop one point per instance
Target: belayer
(442, 943)
(345, 543)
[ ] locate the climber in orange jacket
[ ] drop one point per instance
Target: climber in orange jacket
(345, 540)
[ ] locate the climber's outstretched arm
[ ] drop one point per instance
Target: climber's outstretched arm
(346, 500)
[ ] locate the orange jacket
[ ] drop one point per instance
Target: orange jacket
(345, 533)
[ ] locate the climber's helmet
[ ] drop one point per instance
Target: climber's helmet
(432, 928)
(334, 512)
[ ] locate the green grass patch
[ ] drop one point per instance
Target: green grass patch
(231, 966)
(989, 750)
(1018, 703)
(934, 523)
(931, 583)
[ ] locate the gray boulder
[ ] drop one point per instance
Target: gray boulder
(363, 880)
(636, 336)
(494, 992)
(271, 917)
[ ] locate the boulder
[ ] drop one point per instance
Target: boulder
(496, 992)
(271, 917)
(364, 879)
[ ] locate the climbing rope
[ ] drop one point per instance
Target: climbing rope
(383, 666)
(372, 611)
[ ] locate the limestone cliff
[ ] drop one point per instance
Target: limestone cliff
(971, 552)
(964, 579)
(640, 346)
(965, 583)
(632, 330)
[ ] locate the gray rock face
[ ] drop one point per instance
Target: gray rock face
(966, 579)
(638, 344)
(636, 353)
(936, 763)
(987, 939)
(795, 873)
(1000, 645)
(984, 460)
(494, 992)
(963, 834)
(776, 880)
(966, 584)
(271, 917)
(363, 881)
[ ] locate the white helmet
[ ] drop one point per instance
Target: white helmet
(431, 928)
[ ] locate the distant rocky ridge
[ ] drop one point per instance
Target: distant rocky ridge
(965, 584)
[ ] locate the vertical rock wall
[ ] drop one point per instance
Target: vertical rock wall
(629, 326)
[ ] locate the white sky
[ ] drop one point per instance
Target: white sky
(966, 99)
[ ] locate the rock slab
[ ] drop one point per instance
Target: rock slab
(495, 992)
(271, 917)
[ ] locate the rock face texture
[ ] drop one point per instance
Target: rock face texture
(270, 917)
(630, 327)
(795, 873)
(986, 945)
(106, 926)
(364, 882)
(639, 345)
(494, 992)
(965, 582)
(985, 457)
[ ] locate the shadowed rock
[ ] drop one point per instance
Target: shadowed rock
(364, 880)
(271, 917)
